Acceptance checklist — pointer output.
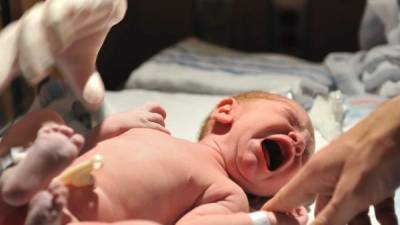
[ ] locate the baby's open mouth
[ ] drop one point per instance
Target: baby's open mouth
(273, 154)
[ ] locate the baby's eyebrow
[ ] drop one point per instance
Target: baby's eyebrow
(293, 118)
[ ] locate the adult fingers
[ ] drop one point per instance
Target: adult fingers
(299, 191)
(155, 108)
(385, 212)
(316, 177)
(346, 202)
(361, 219)
(321, 202)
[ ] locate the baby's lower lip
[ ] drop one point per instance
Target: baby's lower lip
(263, 159)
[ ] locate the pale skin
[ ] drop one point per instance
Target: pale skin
(55, 146)
(357, 170)
(194, 183)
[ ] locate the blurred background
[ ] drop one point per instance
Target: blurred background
(309, 29)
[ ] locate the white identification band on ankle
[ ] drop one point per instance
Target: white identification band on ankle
(259, 218)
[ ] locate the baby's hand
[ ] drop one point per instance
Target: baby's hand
(150, 115)
(297, 216)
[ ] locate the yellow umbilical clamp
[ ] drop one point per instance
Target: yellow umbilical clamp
(80, 174)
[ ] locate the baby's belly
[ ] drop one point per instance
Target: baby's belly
(135, 184)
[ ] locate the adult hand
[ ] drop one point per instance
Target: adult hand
(356, 170)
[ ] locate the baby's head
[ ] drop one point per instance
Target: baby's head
(264, 139)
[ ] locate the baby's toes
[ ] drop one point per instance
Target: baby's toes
(47, 128)
(60, 194)
(67, 131)
(78, 140)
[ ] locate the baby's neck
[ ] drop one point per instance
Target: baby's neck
(215, 150)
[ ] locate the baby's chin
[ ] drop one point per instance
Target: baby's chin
(259, 192)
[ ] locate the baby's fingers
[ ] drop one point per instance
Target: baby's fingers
(155, 108)
(297, 216)
(156, 118)
(157, 126)
(156, 121)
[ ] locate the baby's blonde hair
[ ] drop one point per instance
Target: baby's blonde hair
(252, 95)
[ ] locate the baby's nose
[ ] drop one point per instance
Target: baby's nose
(298, 142)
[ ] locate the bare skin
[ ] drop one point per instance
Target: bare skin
(45, 208)
(358, 169)
(192, 184)
(54, 149)
(48, 152)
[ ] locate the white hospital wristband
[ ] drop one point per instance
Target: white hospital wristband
(259, 218)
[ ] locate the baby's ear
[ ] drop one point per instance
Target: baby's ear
(223, 112)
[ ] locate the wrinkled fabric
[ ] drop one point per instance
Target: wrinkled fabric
(376, 68)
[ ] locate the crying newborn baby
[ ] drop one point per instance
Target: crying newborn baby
(251, 143)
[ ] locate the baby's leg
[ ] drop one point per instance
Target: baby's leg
(46, 207)
(55, 147)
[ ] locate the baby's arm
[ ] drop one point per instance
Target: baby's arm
(226, 211)
(150, 115)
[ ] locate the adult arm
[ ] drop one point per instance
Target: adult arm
(356, 170)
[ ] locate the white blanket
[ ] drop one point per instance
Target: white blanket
(194, 66)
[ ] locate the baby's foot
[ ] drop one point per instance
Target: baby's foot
(55, 147)
(46, 207)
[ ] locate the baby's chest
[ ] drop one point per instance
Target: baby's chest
(164, 189)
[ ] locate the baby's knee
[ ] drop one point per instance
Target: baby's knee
(14, 193)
